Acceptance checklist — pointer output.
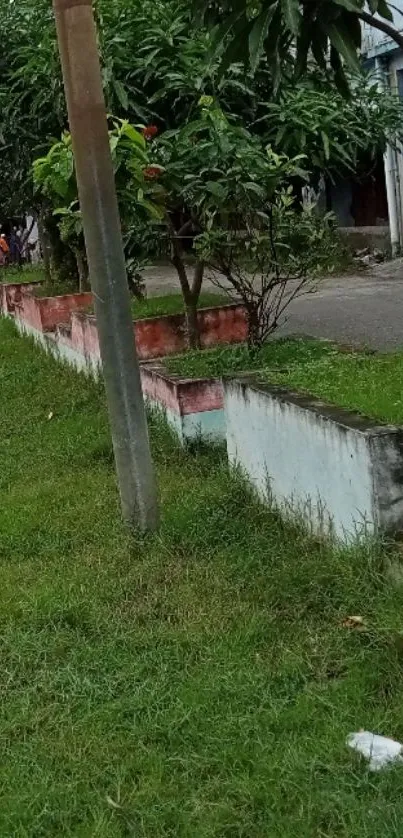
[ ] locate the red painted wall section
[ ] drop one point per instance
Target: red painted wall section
(45, 313)
(91, 340)
(155, 337)
(159, 387)
(184, 396)
(78, 324)
(11, 294)
(159, 336)
(200, 395)
(82, 336)
(3, 300)
(227, 324)
(29, 312)
(57, 310)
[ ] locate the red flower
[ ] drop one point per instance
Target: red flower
(149, 131)
(151, 172)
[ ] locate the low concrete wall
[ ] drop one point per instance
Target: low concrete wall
(11, 293)
(161, 336)
(166, 335)
(375, 238)
(194, 408)
(341, 473)
(44, 314)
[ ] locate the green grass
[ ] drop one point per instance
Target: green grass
(370, 384)
(194, 684)
(225, 360)
(167, 304)
(29, 273)
(173, 304)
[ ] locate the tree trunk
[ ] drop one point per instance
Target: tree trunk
(255, 339)
(328, 194)
(45, 249)
(191, 306)
(190, 294)
(83, 283)
(192, 323)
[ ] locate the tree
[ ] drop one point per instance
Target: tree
(335, 133)
(156, 64)
(240, 211)
(290, 32)
(32, 108)
(275, 258)
(55, 180)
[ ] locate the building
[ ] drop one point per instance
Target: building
(381, 54)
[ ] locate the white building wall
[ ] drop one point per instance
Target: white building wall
(394, 64)
(382, 54)
(375, 42)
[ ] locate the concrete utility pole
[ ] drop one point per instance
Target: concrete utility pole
(103, 238)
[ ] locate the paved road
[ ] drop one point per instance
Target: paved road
(364, 309)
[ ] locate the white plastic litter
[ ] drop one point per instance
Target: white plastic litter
(379, 750)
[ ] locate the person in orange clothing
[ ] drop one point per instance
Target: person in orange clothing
(4, 250)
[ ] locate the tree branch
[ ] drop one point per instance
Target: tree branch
(178, 262)
(383, 26)
(197, 279)
(184, 229)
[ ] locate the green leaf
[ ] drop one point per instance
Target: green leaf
(237, 49)
(121, 94)
(326, 146)
(339, 74)
(60, 186)
(384, 10)
(250, 186)
(228, 26)
(153, 210)
(342, 40)
(216, 189)
(292, 15)
(134, 136)
(350, 5)
(258, 34)
(113, 142)
(303, 44)
(319, 48)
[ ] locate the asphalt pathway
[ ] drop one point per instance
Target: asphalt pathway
(364, 309)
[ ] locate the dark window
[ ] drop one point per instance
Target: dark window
(399, 76)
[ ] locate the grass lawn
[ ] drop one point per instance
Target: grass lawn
(56, 289)
(29, 273)
(198, 683)
(173, 304)
(369, 383)
(151, 307)
(224, 360)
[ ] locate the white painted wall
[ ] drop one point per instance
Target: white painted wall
(374, 41)
(394, 64)
(309, 466)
